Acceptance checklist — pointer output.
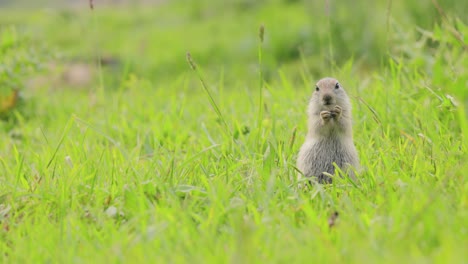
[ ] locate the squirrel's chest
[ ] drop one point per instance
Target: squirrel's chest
(330, 150)
(331, 128)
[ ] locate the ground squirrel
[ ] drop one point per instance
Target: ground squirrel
(330, 136)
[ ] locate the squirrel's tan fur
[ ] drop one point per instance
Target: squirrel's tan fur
(330, 136)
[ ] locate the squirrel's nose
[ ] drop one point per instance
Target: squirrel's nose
(327, 99)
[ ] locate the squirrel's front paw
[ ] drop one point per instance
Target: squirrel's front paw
(336, 113)
(325, 115)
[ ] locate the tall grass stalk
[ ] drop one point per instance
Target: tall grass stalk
(100, 88)
(261, 35)
(213, 103)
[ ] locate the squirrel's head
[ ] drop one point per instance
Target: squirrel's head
(329, 93)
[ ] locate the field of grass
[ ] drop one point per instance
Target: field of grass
(119, 152)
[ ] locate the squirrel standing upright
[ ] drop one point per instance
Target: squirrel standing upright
(330, 136)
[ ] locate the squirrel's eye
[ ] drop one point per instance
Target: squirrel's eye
(337, 86)
(316, 88)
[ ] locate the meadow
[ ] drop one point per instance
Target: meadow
(167, 132)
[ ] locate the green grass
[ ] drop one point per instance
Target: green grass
(140, 165)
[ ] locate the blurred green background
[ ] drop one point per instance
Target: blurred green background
(151, 38)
